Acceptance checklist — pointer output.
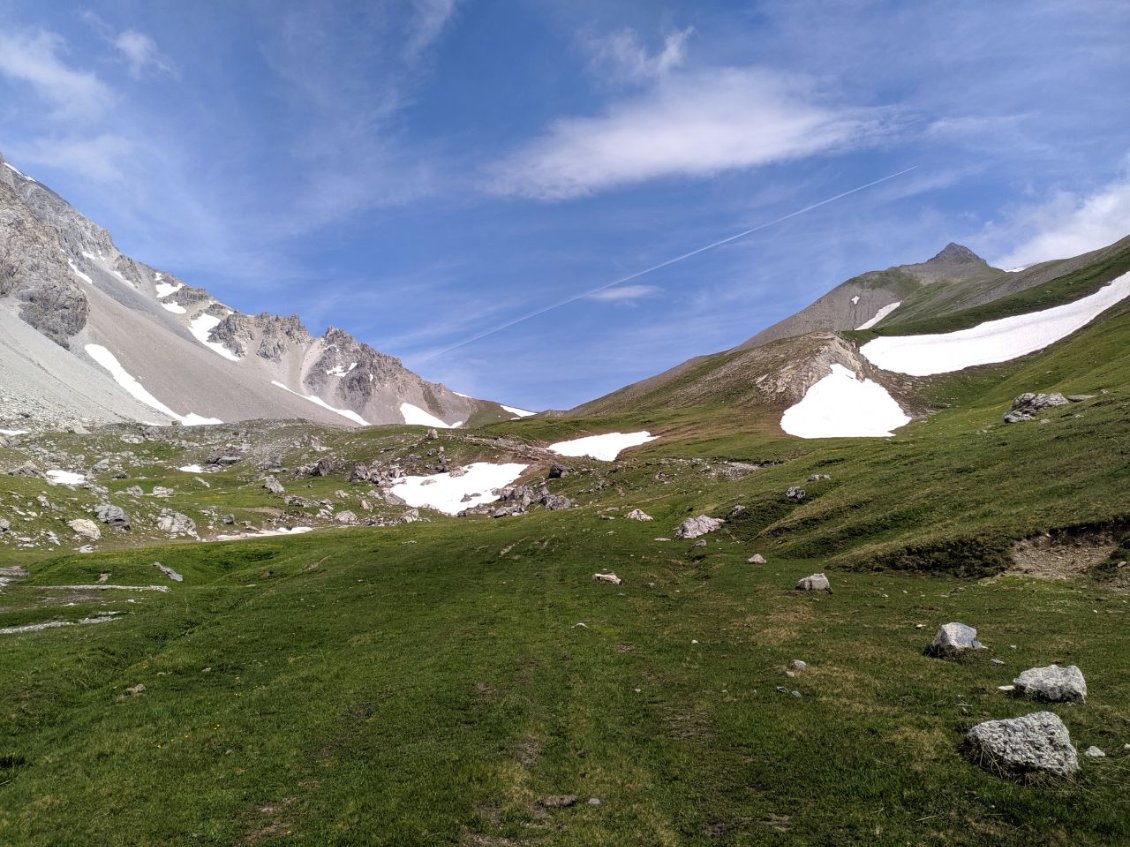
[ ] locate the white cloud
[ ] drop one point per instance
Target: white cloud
(624, 293)
(624, 54)
(141, 52)
(691, 124)
(1068, 224)
(36, 60)
(101, 158)
(431, 18)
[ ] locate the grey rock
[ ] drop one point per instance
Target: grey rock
(1080, 398)
(1035, 743)
(323, 467)
(431, 435)
(135, 491)
(410, 516)
(559, 801)
(1053, 683)
(610, 578)
(1026, 406)
(819, 477)
(346, 517)
(797, 665)
(815, 582)
(175, 524)
(5, 525)
(273, 485)
(1094, 752)
(694, 527)
(638, 515)
(556, 471)
(162, 491)
(796, 493)
(737, 510)
(85, 528)
(953, 638)
(169, 572)
(113, 515)
(360, 473)
(555, 502)
(756, 559)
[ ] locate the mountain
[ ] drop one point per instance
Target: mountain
(775, 369)
(90, 335)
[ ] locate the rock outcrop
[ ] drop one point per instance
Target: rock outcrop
(1018, 747)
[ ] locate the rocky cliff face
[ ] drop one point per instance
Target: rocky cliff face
(192, 356)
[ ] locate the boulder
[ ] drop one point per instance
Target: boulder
(610, 578)
(323, 467)
(756, 559)
(431, 435)
(795, 493)
(134, 491)
(554, 502)
(347, 518)
(162, 491)
(815, 582)
(694, 527)
(85, 528)
(113, 515)
(1053, 684)
(556, 471)
(952, 639)
(5, 525)
(1027, 406)
(1094, 752)
(819, 477)
(176, 524)
(273, 485)
(410, 516)
(1017, 747)
(360, 473)
(737, 510)
(639, 515)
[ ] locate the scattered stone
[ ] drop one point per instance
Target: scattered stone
(556, 471)
(595, 801)
(162, 491)
(167, 571)
(27, 469)
(1027, 406)
(1017, 747)
(5, 525)
(1094, 752)
(1053, 684)
(755, 559)
(1080, 398)
(273, 485)
(410, 516)
(795, 493)
(85, 528)
(699, 544)
(797, 665)
(737, 510)
(952, 639)
(135, 491)
(431, 435)
(559, 801)
(346, 517)
(694, 527)
(113, 515)
(175, 524)
(638, 515)
(555, 502)
(135, 690)
(815, 582)
(323, 467)
(610, 578)
(819, 477)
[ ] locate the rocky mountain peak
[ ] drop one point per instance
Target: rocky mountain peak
(954, 252)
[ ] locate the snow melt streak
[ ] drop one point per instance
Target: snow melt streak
(446, 493)
(110, 362)
(201, 326)
(843, 406)
(603, 447)
(879, 315)
(992, 341)
(345, 413)
(416, 416)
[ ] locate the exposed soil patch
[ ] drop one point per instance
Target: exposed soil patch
(1063, 554)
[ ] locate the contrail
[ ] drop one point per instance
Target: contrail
(660, 266)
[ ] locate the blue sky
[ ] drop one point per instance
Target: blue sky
(423, 172)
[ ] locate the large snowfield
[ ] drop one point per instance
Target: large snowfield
(992, 341)
(841, 405)
(446, 493)
(604, 448)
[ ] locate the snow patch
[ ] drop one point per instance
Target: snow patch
(175, 308)
(855, 300)
(102, 617)
(603, 447)
(993, 341)
(345, 413)
(110, 362)
(341, 370)
(416, 416)
(445, 493)
(201, 326)
(13, 432)
(843, 406)
(264, 533)
(164, 289)
(191, 469)
(1015, 270)
(521, 413)
(57, 477)
(79, 273)
(879, 315)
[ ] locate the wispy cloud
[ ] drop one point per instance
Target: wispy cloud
(38, 61)
(141, 53)
(1066, 224)
(695, 124)
(624, 293)
(624, 55)
(101, 158)
(431, 19)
